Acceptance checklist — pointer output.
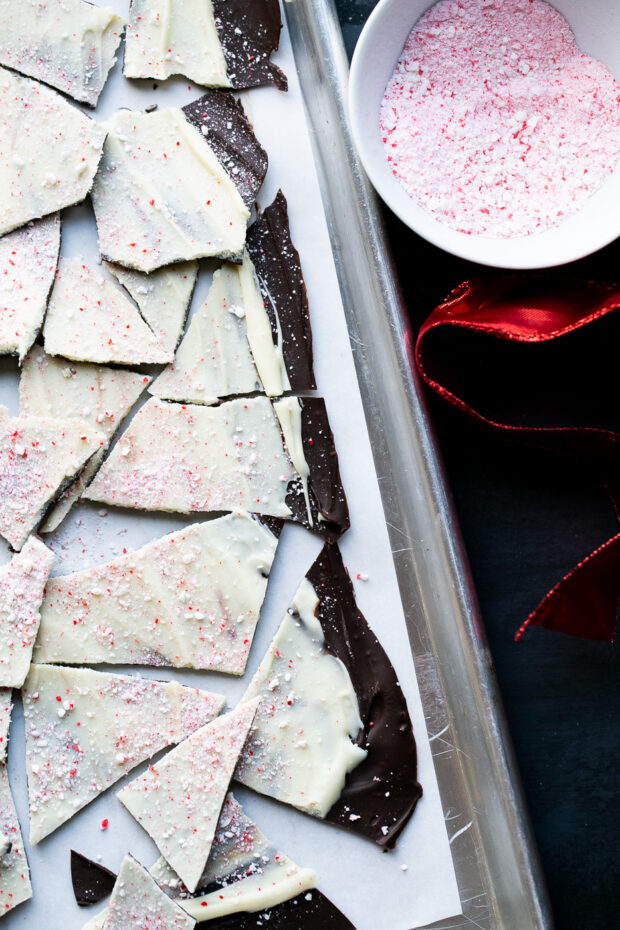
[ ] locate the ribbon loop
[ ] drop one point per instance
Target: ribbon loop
(535, 309)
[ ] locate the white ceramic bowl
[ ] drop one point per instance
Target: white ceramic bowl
(596, 24)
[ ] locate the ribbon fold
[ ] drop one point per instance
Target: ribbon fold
(534, 309)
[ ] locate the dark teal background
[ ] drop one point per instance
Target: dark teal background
(527, 518)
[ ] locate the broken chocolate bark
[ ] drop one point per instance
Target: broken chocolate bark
(92, 882)
(28, 259)
(278, 269)
(249, 31)
(216, 43)
(382, 792)
(244, 871)
(361, 771)
(310, 910)
(33, 186)
(178, 800)
(221, 119)
(187, 458)
(323, 506)
(69, 44)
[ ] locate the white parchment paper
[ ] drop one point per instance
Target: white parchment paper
(415, 884)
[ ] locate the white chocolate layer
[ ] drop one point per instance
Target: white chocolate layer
(163, 297)
(191, 599)
(102, 397)
(15, 884)
(68, 44)
(6, 709)
(228, 348)
(161, 196)
(300, 748)
(38, 457)
(49, 151)
(28, 259)
(86, 729)
(179, 799)
(167, 37)
(251, 873)
(90, 319)
(188, 458)
(137, 902)
(22, 583)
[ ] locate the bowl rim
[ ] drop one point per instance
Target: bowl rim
(536, 251)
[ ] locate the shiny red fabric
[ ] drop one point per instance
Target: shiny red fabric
(530, 308)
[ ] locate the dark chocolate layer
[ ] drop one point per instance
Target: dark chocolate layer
(92, 882)
(382, 792)
(325, 490)
(222, 121)
(274, 524)
(277, 265)
(310, 911)
(249, 31)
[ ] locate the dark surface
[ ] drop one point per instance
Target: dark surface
(527, 518)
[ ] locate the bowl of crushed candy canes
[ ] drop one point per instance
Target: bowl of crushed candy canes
(492, 127)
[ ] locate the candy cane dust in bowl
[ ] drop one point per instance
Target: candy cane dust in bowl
(495, 122)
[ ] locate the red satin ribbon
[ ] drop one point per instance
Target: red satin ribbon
(534, 309)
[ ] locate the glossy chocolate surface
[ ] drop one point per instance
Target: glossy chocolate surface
(381, 794)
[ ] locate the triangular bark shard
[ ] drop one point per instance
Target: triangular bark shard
(86, 729)
(179, 799)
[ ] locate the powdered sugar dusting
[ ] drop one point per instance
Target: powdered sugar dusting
(495, 122)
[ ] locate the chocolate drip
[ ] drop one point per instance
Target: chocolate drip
(309, 911)
(327, 497)
(222, 121)
(382, 792)
(249, 31)
(277, 266)
(91, 882)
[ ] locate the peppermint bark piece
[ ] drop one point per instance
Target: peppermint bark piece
(190, 599)
(69, 44)
(86, 729)
(90, 319)
(220, 119)
(228, 348)
(28, 259)
(6, 709)
(214, 43)
(312, 909)
(244, 871)
(138, 902)
(22, 583)
(355, 763)
(162, 194)
(278, 268)
(101, 397)
(39, 458)
(15, 884)
(49, 151)
(190, 458)
(253, 333)
(91, 882)
(179, 799)
(163, 298)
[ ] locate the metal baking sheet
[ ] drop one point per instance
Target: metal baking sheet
(416, 885)
(498, 872)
